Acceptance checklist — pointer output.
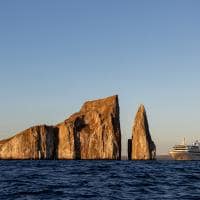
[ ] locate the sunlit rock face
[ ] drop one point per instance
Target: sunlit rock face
(143, 148)
(92, 133)
(38, 142)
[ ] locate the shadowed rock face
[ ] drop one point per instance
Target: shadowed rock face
(143, 148)
(129, 149)
(92, 133)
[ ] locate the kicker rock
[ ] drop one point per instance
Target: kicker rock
(92, 133)
(38, 142)
(143, 148)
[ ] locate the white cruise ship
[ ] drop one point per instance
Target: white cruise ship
(186, 152)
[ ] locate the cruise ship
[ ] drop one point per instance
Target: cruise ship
(186, 152)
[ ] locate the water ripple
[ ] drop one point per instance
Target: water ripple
(99, 180)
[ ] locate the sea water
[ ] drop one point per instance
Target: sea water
(115, 180)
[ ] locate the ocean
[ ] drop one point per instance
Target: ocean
(113, 180)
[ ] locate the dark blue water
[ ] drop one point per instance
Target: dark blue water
(99, 180)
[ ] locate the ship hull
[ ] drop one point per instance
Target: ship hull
(185, 155)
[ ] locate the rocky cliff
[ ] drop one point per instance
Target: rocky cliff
(143, 148)
(37, 142)
(92, 133)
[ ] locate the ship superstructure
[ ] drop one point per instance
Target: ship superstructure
(186, 152)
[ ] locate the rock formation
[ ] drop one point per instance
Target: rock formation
(92, 133)
(129, 149)
(37, 142)
(143, 148)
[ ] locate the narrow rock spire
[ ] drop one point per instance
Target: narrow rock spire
(143, 148)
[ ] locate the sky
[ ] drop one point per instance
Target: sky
(55, 55)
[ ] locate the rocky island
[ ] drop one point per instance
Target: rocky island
(92, 133)
(141, 146)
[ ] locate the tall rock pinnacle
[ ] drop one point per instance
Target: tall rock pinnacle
(143, 148)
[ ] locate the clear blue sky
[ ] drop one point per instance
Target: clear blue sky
(54, 55)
